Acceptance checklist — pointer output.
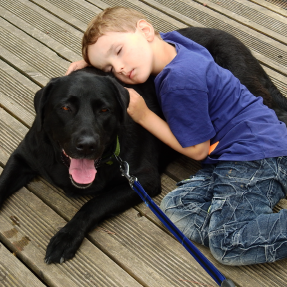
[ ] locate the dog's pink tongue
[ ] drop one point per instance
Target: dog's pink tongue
(82, 170)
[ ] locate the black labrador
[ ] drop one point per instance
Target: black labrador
(81, 122)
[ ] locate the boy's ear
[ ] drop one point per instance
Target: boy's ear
(146, 28)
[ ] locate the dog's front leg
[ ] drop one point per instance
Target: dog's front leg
(15, 175)
(65, 243)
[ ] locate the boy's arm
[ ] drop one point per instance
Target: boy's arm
(141, 114)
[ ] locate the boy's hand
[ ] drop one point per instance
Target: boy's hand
(76, 66)
(137, 108)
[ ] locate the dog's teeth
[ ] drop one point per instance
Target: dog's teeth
(66, 154)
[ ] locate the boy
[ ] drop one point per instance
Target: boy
(210, 116)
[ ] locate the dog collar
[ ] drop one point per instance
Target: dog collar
(108, 158)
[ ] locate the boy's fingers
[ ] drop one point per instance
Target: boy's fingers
(76, 66)
(70, 70)
(67, 73)
(132, 92)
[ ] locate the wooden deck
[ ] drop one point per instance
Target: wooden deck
(39, 39)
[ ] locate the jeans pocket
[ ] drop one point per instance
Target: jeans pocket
(217, 204)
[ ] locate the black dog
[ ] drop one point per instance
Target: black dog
(81, 122)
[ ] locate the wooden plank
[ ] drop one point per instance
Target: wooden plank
(17, 94)
(11, 105)
(13, 273)
(4, 155)
(278, 79)
(159, 19)
(282, 204)
(79, 9)
(43, 26)
(253, 16)
(37, 61)
(77, 14)
(12, 132)
(182, 168)
(164, 22)
(271, 7)
(27, 84)
(18, 64)
(99, 4)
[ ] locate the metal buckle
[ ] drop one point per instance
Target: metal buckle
(125, 170)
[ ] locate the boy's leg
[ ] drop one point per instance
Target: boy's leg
(187, 206)
(243, 229)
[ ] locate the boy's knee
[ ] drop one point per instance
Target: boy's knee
(173, 200)
(222, 255)
(225, 252)
(218, 254)
(166, 203)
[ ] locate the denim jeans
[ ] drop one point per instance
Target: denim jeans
(228, 207)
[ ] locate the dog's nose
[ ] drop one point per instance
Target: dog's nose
(86, 145)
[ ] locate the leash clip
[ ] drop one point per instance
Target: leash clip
(125, 170)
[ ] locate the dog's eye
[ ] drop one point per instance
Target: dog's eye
(66, 108)
(104, 110)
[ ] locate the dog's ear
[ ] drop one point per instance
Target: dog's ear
(40, 100)
(122, 97)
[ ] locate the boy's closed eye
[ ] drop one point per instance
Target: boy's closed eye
(109, 69)
(119, 51)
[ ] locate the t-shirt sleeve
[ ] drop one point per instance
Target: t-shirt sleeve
(187, 114)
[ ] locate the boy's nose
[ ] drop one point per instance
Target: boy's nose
(118, 68)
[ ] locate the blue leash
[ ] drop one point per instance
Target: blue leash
(189, 246)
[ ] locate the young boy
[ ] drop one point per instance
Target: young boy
(210, 116)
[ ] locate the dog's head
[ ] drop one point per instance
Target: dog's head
(82, 114)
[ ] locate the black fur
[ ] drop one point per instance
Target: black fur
(85, 112)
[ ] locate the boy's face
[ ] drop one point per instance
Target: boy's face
(128, 55)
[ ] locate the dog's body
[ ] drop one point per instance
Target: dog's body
(81, 117)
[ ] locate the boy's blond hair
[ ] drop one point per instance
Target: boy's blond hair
(116, 19)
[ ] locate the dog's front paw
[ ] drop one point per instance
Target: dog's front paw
(63, 246)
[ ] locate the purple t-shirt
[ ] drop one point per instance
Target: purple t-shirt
(202, 101)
